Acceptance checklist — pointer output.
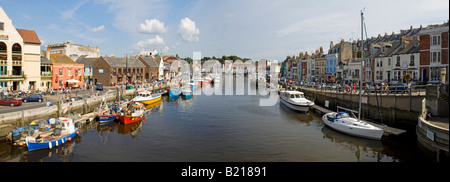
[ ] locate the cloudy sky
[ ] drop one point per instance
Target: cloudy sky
(256, 29)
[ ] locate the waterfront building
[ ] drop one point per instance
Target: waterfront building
(434, 53)
(19, 57)
(74, 51)
(330, 67)
(154, 67)
(46, 73)
(304, 66)
(320, 62)
(118, 70)
(88, 63)
(300, 68)
(66, 72)
(311, 68)
(339, 54)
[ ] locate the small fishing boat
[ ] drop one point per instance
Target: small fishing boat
(175, 91)
(296, 101)
(187, 91)
(108, 112)
(217, 78)
(193, 85)
(146, 97)
(63, 132)
(344, 123)
(134, 112)
(208, 79)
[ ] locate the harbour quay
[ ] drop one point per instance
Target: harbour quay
(423, 112)
(16, 119)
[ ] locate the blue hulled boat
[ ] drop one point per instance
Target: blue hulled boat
(63, 133)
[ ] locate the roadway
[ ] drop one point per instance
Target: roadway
(52, 99)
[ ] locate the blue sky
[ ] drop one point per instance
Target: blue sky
(256, 29)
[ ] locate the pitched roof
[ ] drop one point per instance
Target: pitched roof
(150, 61)
(45, 60)
(411, 47)
(61, 59)
(123, 62)
(29, 36)
(89, 62)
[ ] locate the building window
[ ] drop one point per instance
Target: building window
(398, 61)
(69, 72)
(79, 72)
(412, 61)
(436, 40)
(3, 70)
(2, 26)
(435, 57)
(60, 72)
(389, 61)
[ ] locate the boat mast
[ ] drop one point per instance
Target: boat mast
(362, 60)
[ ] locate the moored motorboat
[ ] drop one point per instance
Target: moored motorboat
(296, 101)
(108, 113)
(134, 112)
(175, 91)
(63, 132)
(187, 91)
(146, 97)
(344, 123)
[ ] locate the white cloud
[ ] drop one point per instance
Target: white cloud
(152, 26)
(69, 14)
(143, 44)
(98, 29)
(188, 30)
(165, 50)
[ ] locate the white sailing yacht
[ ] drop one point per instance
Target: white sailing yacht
(343, 122)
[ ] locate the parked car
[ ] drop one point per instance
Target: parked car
(76, 98)
(9, 101)
(99, 87)
(33, 98)
(372, 87)
(399, 87)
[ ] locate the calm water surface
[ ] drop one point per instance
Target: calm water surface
(219, 128)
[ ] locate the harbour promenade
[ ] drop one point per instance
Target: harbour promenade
(400, 108)
(14, 117)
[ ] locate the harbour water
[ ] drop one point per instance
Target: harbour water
(220, 128)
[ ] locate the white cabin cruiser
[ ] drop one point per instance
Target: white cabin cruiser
(295, 100)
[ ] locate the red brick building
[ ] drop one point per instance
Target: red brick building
(434, 53)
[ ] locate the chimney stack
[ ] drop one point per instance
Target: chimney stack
(331, 44)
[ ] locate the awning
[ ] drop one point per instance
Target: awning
(72, 81)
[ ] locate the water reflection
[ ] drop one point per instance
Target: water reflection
(303, 117)
(359, 146)
(62, 152)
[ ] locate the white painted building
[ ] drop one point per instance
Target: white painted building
(74, 51)
(20, 60)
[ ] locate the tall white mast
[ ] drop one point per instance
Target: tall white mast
(362, 60)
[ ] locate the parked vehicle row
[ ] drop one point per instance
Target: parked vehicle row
(391, 88)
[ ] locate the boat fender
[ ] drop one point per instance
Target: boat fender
(62, 140)
(50, 145)
(69, 139)
(78, 132)
(56, 142)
